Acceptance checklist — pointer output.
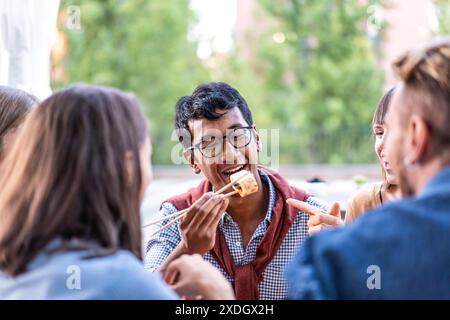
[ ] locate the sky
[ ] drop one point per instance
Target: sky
(214, 27)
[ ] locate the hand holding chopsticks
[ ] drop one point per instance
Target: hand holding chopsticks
(243, 183)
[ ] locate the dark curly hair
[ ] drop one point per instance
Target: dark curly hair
(204, 102)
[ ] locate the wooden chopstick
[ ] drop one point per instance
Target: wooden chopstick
(170, 216)
(182, 214)
(229, 194)
(231, 183)
(171, 222)
(185, 210)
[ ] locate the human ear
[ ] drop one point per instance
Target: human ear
(189, 156)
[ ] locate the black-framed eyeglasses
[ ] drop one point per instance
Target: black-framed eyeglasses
(212, 145)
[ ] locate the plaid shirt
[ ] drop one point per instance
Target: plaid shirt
(273, 285)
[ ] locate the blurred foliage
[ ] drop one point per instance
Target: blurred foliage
(138, 46)
(443, 15)
(319, 85)
(322, 78)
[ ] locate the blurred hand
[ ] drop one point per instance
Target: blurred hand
(319, 220)
(192, 277)
(198, 227)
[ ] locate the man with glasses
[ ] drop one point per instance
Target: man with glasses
(250, 240)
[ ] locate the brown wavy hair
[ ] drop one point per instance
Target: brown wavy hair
(14, 106)
(379, 118)
(383, 107)
(67, 177)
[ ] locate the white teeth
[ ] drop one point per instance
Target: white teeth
(233, 170)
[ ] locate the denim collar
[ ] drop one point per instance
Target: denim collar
(439, 184)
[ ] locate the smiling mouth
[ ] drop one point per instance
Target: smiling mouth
(233, 170)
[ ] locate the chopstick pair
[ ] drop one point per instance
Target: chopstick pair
(180, 214)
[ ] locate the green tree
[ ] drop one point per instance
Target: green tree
(443, 15)
(321, 78)
(318, 85)
(139, 46)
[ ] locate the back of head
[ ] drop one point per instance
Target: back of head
(67, 176)
(14, 105)
(425, 74)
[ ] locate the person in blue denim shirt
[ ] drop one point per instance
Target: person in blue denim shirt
(402, 250)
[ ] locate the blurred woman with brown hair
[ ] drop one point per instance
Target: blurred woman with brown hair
(14, 106)
(69, 207)
(376, 194)
(370, 196)
(71, 189)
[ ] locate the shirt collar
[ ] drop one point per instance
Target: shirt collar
(440, 183)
